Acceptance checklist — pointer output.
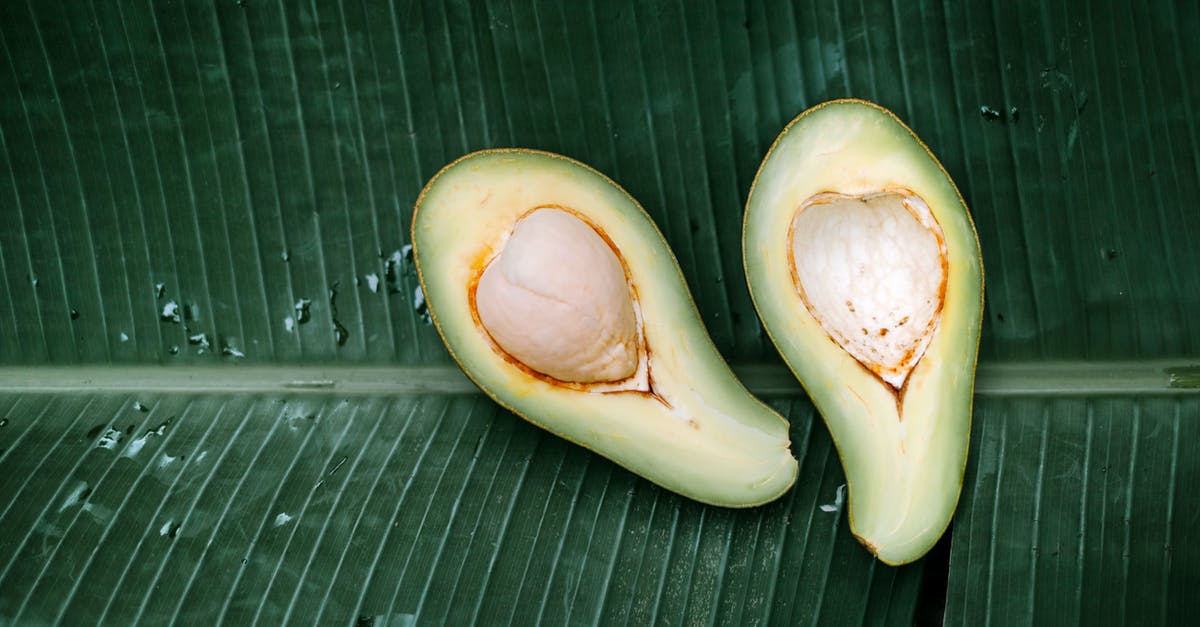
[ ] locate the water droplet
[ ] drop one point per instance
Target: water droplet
(136, 446)
(302, 313)
(124, 337)
(1108, 254)
(33, 280)
(407, 253)
(169, 529)
(199, 339)
(160, 290)
(191, 312)
(373, 282)
(74, 314)
(420, 306)
(170, 313)
(174, 350)
(75, 496)
(340, 333)
(391, 270)
(282, 518)
(138, 406)
(337, 85)
(838, 500)
(3, 422)
(1014, 114)
(289, 323)
(230, 350)
(286, 255)
(110, 438)
(990, 114)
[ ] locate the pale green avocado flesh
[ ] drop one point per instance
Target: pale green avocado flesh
(522, 252)
(865, 268)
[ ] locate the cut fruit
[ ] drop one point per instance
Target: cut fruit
(865, 268)
(559, 297)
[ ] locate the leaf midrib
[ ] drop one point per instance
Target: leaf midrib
(1130, 378)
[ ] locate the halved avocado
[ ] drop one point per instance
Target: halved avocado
(865, 268)
(559, 297)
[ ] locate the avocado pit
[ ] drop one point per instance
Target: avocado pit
(871, 269)
(557, 301)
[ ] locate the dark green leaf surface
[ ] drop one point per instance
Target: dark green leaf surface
(249, 155)
(428, 509)
(1079, 512)
(252, 156)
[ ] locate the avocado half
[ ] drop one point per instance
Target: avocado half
(864, 265)
(558, 296)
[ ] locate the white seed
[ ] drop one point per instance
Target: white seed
(556, 299)
(871, 270)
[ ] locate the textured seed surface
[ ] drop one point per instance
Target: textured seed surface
(557, 300)
(872, 271)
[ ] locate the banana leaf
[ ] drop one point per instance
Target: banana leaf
(221, 397)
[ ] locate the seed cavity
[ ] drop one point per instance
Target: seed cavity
(885, 253)
(556, 299)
